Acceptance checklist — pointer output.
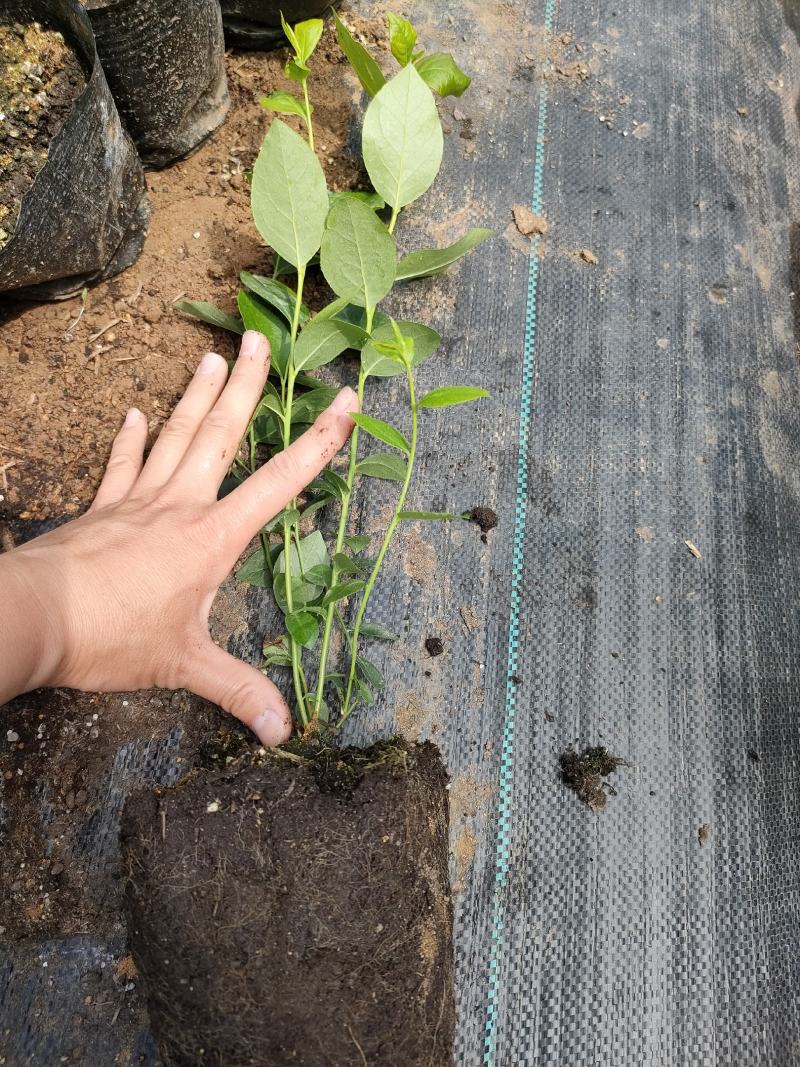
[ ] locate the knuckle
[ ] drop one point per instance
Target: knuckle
(217, 421)
(178, 425)
(286, 467)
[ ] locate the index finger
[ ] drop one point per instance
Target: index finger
(247, 509)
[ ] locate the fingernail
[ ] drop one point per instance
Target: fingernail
(272, 727)
(132, 417)
(253, 345)
(345, 401)
(209, 363)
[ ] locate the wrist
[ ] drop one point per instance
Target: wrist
(31, 648)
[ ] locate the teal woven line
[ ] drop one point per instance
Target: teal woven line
(505, 791)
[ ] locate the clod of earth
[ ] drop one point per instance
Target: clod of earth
(588, 256)
(584, 774)
(704, 834)
(291, 913)
(434, 646)
(527, 223)
(485, 518)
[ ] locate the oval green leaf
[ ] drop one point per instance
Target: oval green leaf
(402, 139)
(441, 72)
(367, 70)
(358, 254)
(449, 395)
(342, 590)
(386, 465)
(303, 627)
(382, 431)
(257, 316)
(402, 38)
(284, 103)
(214, 316)
(426, 341)
(323, 340)
(434, 260)
(288, 195)
(275, 293)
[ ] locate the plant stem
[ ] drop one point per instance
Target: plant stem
(340, 535)
(287, 531)
(309, 127)
(393, 219)
(387, 538)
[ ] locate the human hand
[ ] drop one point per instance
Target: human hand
(119, 598)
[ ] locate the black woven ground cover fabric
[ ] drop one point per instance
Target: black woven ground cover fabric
(639, 402)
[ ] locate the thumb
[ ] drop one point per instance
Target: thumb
(241, 690)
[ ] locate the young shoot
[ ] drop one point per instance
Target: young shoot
(324, 586)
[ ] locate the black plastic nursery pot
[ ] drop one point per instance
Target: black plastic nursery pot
(165, 64)
(285, 912)
(85, 215)
(257, 23)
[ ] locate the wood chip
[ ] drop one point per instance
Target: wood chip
(588, 256)
(527, 223)
(693, 549)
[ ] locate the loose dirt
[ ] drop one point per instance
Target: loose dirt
(40, 79)
(66, 386)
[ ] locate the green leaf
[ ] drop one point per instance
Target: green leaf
(449, 395)
(288, 516)
(441, 516)
(199, 309)
(313, 553)
(374, 629)
(255, 571)
(303, 627)
(307, 35)
(358, 254)
(276, 652)
(426, 341)
(269, 403)
(357, 542)
(371, 199)
(441, 72)
(298, 72)
(342, 590)
(402, 38)
(333, 309)
(367, 70)
(347, 565)
(257, 316)
(309, 405)
(290, 35)
(280, 296)
(335, 483)
(370, 672)
(386, 465)
(288, 197)
(402, 139)
(382, 431)
(366, 693)
(319, 575)
(434, 260)
(323, 340)
(284, 103)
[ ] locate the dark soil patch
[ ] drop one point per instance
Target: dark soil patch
(294, 912)
(585, 772)
(40, 79)
(434, 646)
(485, 518)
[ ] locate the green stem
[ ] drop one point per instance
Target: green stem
(287, 531)
(393, 219)
(387, 538)
(340, 536)
(309, 127)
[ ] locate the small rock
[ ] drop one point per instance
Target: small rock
(458, 114)
(704, 834)
(12, 736)
(212, 807)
